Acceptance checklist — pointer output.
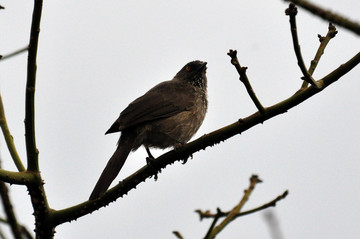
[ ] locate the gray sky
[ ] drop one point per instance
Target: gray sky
(95, 57)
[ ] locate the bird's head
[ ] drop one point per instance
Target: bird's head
(194, 72)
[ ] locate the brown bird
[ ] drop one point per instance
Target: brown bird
(168, 115)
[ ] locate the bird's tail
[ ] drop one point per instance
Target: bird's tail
(113, 167)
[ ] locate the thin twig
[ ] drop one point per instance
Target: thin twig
(328, 15)
(9, 211)
(232, 215)
(9, 139)
(213, 224)
(267, 205)
(323, 43)
(31, 149)
(26, 234)
(22, 50)
(272, 203)
(292, 11)
(178, 235)
(244, 79)
(24, 231)
(8, 208)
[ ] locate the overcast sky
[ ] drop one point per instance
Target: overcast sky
(95, 57)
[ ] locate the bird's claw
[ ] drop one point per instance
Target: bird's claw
(151, 163)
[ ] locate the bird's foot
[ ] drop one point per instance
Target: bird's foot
(151, 162)
(177, 147)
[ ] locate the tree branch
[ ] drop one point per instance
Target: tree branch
(232, 214)
(323, 43)
(15, 53)
(43, 228)
(32, 151)
(178, 235)
(20, 178)
(213, 224)
(292, 11)
(328, 15)
(11, 218)
(9, 139)
(272, 203)
(244, 79)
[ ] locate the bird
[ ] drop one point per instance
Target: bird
(167, 115)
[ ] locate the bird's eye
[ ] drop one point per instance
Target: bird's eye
(188, 68)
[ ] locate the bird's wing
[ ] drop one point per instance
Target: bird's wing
(164, 100)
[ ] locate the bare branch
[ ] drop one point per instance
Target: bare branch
(31, 149)
(20, 178)
(292, 11)
(328, 15)
(232, 214)
(43, 228)
(244, 79)
(9, 139)
(213, 224)
(15, 53)
(323, 43)
(178, 235)
(272, 203)
(8, 208)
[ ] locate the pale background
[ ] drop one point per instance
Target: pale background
(97, 56)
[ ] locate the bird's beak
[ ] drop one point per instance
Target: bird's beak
(203, 66)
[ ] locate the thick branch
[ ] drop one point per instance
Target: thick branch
(187, 150)
(32, 151)
(328, 15)
(43, 228)
(20, 178)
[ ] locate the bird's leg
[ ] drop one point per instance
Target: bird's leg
(150, 161)
(149, 153)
